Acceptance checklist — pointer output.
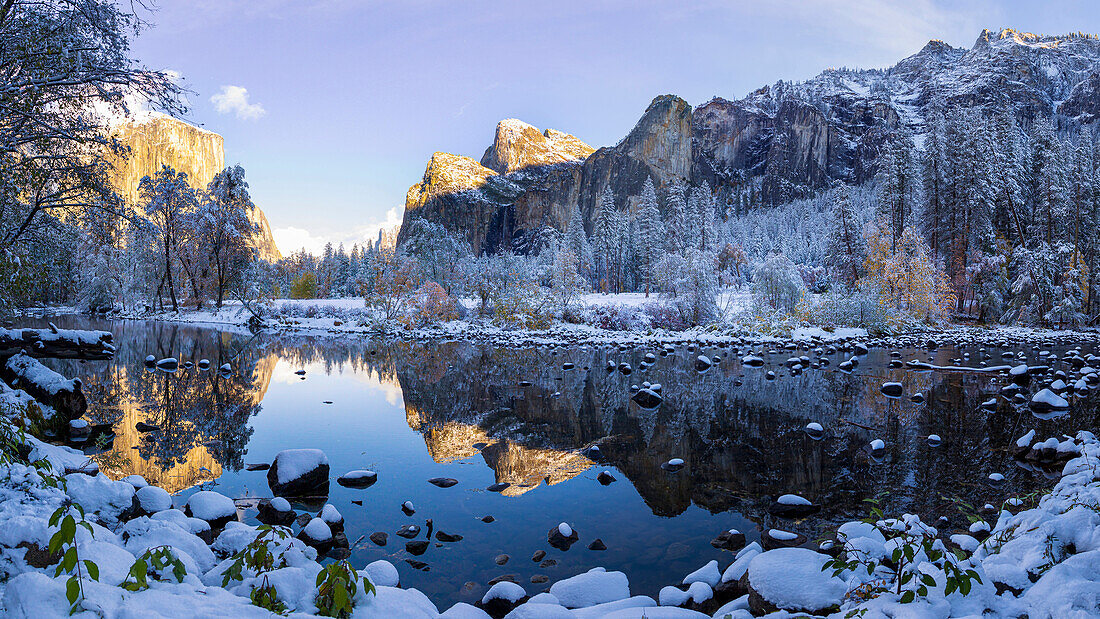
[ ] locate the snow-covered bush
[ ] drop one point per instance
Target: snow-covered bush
(618, 317)
(777, 283)
(432, 305)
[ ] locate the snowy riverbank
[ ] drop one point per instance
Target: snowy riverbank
(1039, 562)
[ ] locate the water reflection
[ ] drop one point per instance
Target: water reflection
(517, 416)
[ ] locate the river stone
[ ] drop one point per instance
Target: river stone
(379, 538)
(729, 540)
(299, 472)
(417, 546)
(562, 536)
(443, 482)
(276, 511)
(408, 531)
(357, 479)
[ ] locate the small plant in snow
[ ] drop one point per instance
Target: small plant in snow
(257, 556)
(913, 544)
(156, 562)
(64, 540)
(267, 597)
(337, 585)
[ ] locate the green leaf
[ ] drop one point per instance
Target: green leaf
(72, 590)
(93, 569)
(907, 597)
(964, 587)
(68, 528)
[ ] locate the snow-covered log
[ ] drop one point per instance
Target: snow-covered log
(46, 386)
(59, 343)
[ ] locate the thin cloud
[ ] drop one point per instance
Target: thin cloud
(234, 100)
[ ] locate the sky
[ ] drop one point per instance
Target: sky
(334, 107)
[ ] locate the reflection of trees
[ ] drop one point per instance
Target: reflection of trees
(740, 434)
(202, 415)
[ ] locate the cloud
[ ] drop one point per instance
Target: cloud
(292, 238)
(234, 99)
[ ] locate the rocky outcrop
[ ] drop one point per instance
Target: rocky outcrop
(778, 143)
(155, 140)
(518, 145)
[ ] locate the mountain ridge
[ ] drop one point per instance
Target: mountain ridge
(777, 143)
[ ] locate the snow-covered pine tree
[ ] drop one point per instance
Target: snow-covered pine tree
(1048, 191)
(650, 237)
(676, 219)
(576, 241)
(845, 248)
(1009, 208)
(605, 240)
(933, 177)
(897, 181)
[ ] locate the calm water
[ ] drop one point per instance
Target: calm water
(416, 411)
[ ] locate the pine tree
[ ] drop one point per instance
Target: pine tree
(897, 185)
(933, 178)
(576, 241)
(1048, 192)
(649, 236)
(1009, 208)
(676, 219)
(605, 240)
(845, 247)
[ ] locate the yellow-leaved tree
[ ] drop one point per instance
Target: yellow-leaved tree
(906, 278)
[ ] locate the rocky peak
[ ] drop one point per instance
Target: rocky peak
(662, 138)
(518, 145)
(447, 174)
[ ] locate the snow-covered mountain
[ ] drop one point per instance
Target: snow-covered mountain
(778, 143)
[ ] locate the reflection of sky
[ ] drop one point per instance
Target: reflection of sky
(723, 423)
(284, 372)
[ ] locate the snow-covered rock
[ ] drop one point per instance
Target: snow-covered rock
(595, 586)
(298, 472)
(213, 507)
(791, 579)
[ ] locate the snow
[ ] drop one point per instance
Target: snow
(565, 530)
(878, 444)
(331, 515)
(463, 610)
(792, 579)
(317, 530)
(280, 504)
(708, 574)
(504, 590)
(137, 481)
(595, 586)
(1048, 398)
(1026, 440)
(382, 573)
(783, 536)
(814, 426)
(792, 499)
(208, 505)
(294, 463)
(741, 562)
(153, 499)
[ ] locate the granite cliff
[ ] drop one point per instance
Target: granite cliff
(155, 140)
(778, 143)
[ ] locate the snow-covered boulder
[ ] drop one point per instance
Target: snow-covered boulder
(381, 573)
(152, 499)
(332, 517)
(792, 506)
(213, 507)
(562, 536)
(299, 472)
(595, 586)
(647, 398)
(317, 534)
(708, 573)
(791, 579)
(501, 598)
(275, 511)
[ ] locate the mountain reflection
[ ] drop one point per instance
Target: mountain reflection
(529, 419)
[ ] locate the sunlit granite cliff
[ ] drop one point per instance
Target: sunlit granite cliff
(155, 140)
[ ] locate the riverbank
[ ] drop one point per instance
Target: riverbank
(1039, 560)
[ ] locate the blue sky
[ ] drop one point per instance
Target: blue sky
(334, 106)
